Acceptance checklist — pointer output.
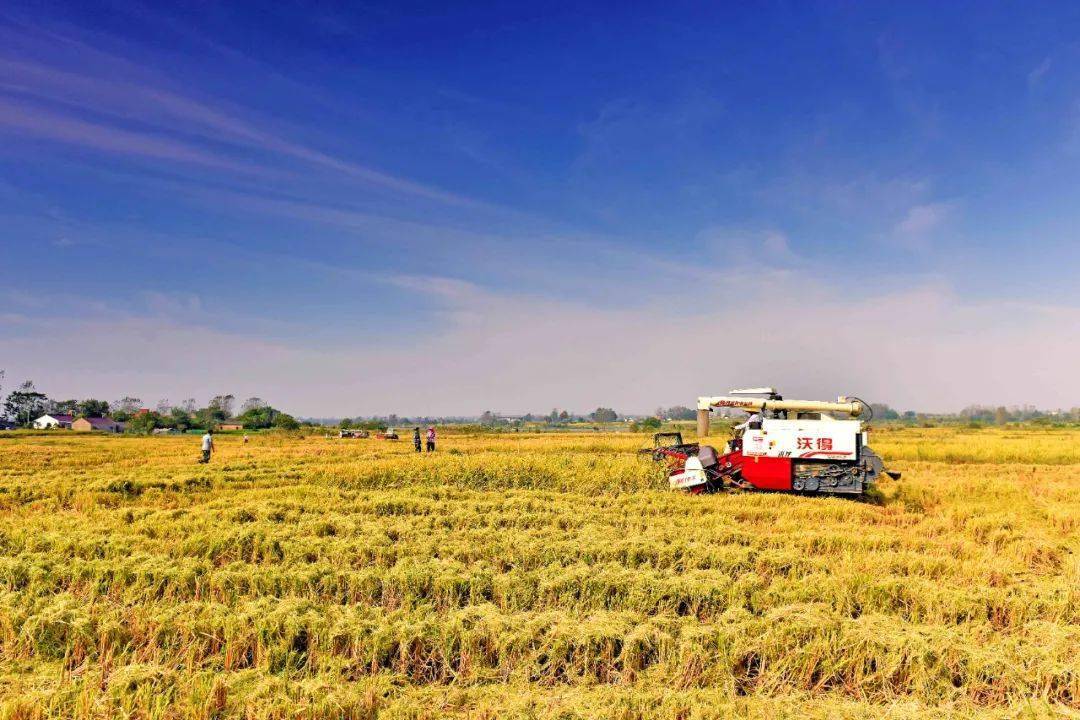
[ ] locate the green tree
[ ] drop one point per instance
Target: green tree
(25, 404)
(680, 412)
(604, 415)
(372, 424)
(125, 407)
(180, 419)
(345, 423)
(252, 403)
(145, 423)
(258, 417)
(64, 407)
(222, 406)
(564, 416)
(650, 423)
(488, 418)
(884, 412)
(207, 418)
(285, 421)
(92, 408)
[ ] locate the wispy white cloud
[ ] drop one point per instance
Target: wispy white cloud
(36, 121)
(867, 199)
(921, 221)
(177, 114)
(748, 247)
(544, 262)
(504, 351)
(451, 290)
(1039, 71)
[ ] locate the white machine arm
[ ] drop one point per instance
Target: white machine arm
(842, 405)
(854, 408)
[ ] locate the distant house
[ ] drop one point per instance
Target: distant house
(231, 426)
(101, 424)
(46, 422)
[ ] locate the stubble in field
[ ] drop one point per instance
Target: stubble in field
(531, 576)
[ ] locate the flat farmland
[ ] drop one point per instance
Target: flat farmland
(531, 575)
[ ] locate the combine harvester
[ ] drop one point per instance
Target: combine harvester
(797, 446)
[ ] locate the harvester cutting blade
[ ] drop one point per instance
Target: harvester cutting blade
(874, 467)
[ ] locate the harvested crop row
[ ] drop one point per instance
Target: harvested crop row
(521, 573)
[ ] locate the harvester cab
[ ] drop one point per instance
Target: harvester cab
(799, 446)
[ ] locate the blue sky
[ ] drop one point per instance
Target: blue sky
(428, 209)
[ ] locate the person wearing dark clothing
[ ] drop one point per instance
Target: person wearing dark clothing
(416, 438)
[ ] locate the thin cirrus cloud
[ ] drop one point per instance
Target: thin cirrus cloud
(40, 123)
(168, 112)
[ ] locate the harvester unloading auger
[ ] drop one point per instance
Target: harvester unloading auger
(795, 446)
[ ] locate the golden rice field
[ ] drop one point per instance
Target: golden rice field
(531, 576)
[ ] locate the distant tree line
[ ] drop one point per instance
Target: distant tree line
(554, 418)
(254, 414)
(979, 415)
(378, 422)
(488, 418)
(676, 412)
(1000, 415)
(26, 403)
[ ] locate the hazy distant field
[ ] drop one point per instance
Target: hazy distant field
(531, 576)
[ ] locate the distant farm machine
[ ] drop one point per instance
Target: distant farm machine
(353, 433)
(786, 446)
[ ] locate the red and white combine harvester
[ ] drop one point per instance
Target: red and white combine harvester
(803, 446)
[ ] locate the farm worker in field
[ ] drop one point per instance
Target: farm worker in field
(416, 438)
(245, 439)
(753, 422)
(431, 439)
(207, 445)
